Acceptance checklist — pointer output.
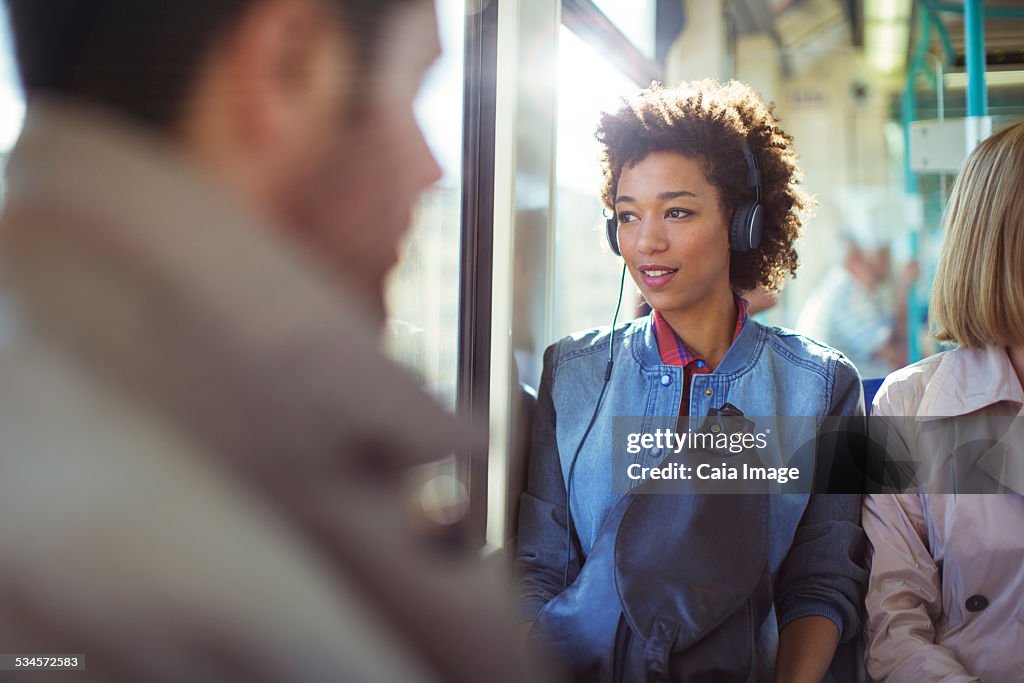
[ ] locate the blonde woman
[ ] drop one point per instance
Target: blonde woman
(947, 568)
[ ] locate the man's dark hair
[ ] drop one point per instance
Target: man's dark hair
(140, 57)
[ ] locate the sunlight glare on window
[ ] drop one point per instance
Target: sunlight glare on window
(12, 102)
(636, 20)
(586, 272)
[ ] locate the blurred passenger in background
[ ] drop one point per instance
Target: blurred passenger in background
(761, 299)
(947, 569)
(202, 446)
(854, 309)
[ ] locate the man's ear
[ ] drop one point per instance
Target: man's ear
(268, 96)
(288, 74)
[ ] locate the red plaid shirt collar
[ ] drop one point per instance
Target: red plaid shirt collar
(672, 349)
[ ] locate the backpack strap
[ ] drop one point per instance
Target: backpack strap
(658, 653)
(620, 653)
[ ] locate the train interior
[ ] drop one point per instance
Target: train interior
(507, 254)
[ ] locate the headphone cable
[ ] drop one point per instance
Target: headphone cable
(586, 432)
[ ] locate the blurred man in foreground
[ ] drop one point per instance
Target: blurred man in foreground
(202, 447)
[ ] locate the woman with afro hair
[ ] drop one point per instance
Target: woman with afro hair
(702, 187)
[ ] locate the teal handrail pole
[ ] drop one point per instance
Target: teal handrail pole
(909, 113)
(933, 10)
(909, 108)
(974, 48)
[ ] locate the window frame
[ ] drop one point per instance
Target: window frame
(477, 269)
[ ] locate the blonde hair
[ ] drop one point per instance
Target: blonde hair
(978, 296)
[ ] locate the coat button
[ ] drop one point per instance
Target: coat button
(666, 380)
(715, 428)
(708, 392)
(976, 603)
(655, 452)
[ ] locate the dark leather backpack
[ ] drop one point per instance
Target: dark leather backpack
(674, 589)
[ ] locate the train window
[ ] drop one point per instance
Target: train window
(586, 272)
(423, 295)
(635, 18)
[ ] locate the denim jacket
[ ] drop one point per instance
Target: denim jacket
(816, 543)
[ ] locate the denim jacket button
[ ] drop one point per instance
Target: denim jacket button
(708, 392)
(666, 380)
(655, 452)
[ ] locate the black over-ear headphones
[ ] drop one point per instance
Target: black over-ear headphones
(747, 222)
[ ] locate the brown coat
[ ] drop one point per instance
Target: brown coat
(202, 448)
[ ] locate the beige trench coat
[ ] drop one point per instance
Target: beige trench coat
(945, 599)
